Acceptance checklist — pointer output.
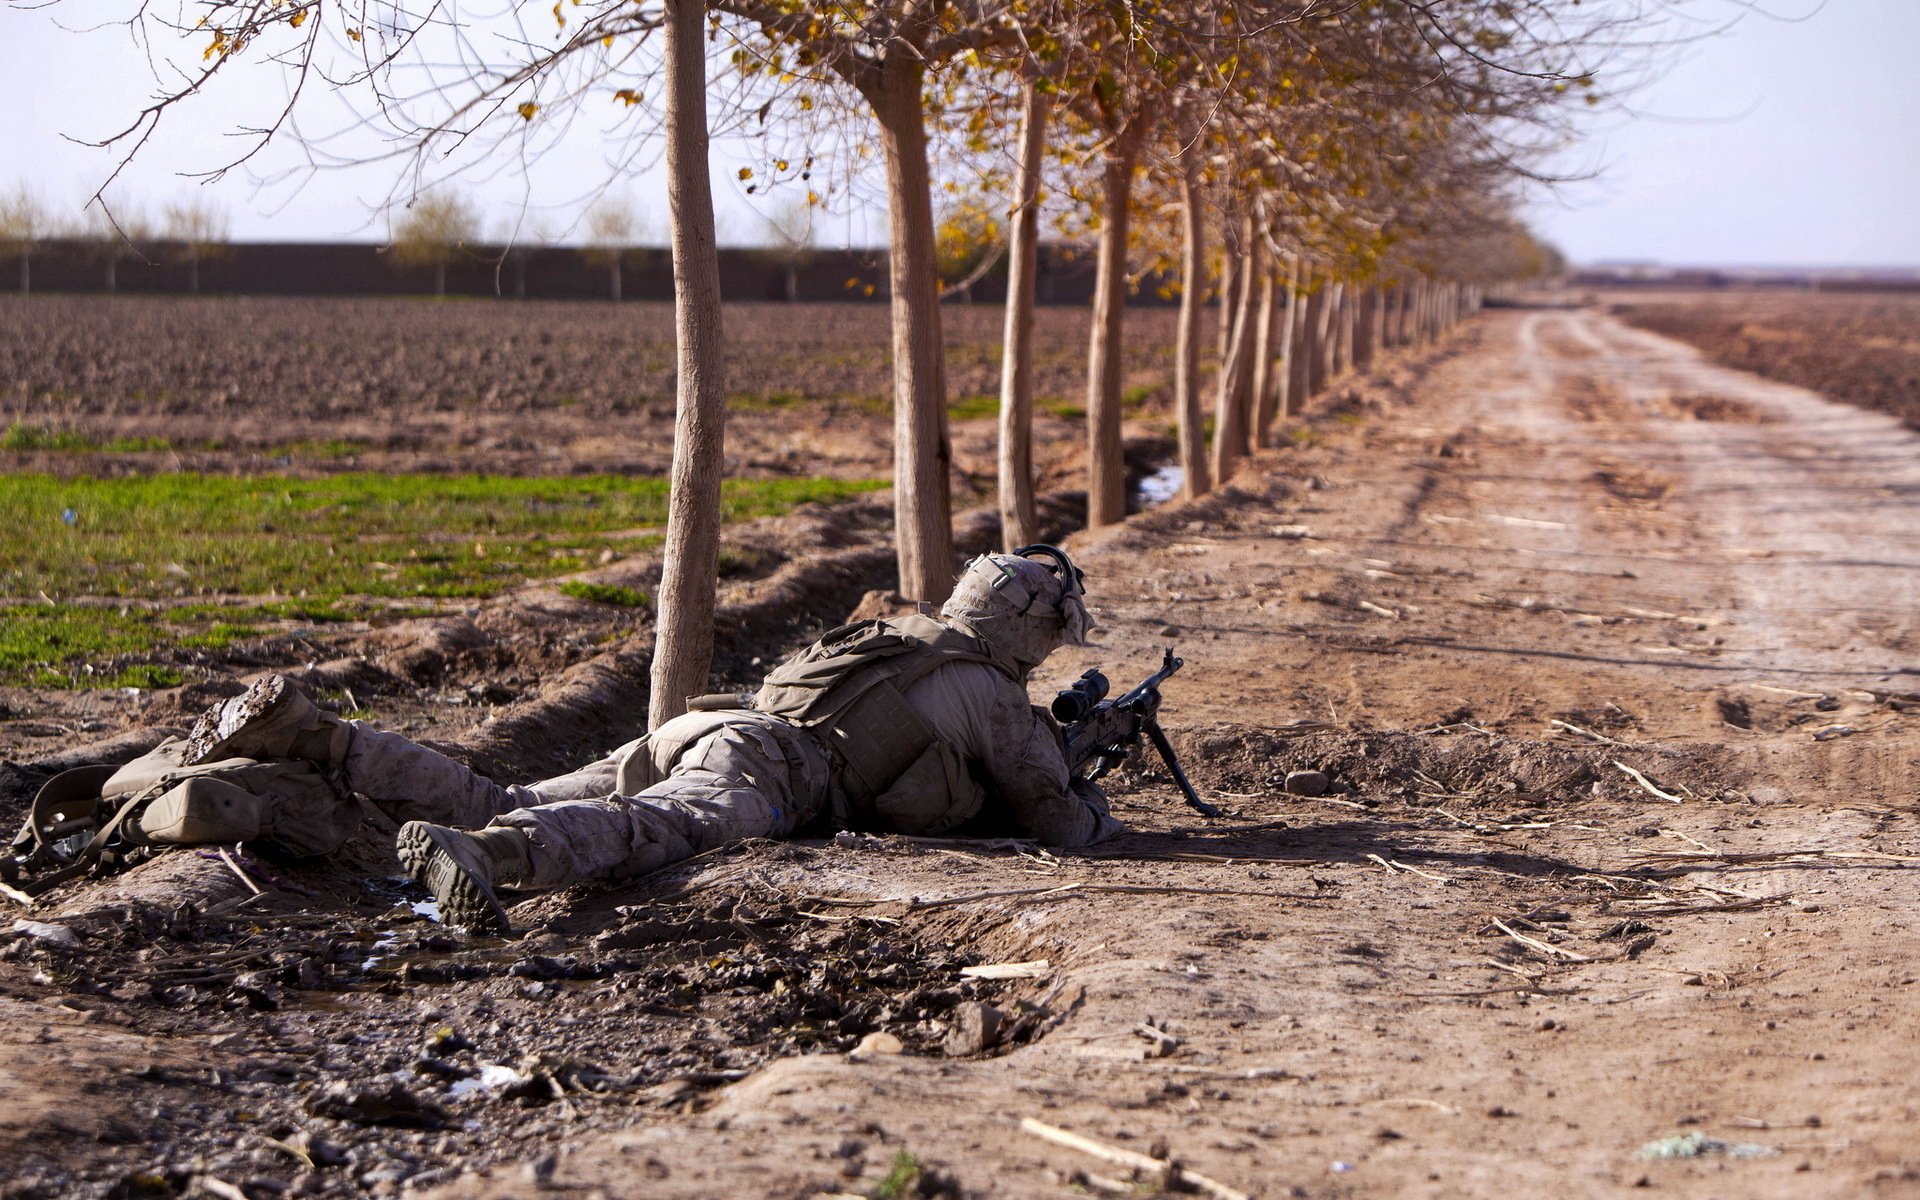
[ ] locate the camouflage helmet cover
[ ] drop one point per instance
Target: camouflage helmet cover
(1024, 604)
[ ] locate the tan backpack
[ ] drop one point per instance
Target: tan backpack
(101, 817)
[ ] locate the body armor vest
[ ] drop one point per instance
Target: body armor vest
(889, 768)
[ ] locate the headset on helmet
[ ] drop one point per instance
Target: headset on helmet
(1073, 577)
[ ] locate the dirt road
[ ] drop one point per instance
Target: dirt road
(1610, 658)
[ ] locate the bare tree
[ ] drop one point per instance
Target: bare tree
(117, 236)
(198, 226)
(1196, 476)
(791, 245)
(24, 224)
(1019, 520)
(683, 642)
(432, 231)
(610, 231)
(520, 239)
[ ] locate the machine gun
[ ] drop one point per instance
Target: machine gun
(1101, 733)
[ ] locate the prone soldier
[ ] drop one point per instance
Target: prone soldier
(912, 725)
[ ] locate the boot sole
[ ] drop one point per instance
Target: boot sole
(252, 712)
(465, 900)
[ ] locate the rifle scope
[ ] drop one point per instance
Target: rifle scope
(1074, 703)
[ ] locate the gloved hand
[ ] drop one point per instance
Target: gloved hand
(1095, 799)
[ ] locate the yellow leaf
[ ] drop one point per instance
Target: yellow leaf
(779, 164)
(353, 35)
(746, 172)
(607, 40)
(298, 18)
(627, 96)
(813, 198)
(527, 109)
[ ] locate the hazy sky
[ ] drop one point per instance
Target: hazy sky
(1776, 143)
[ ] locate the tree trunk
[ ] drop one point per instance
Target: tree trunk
(1236, 373)
(1019, 525)
(1229, 297)
(683, 642)
(1106, 466)
(1319, 325)
(922, 455)
(1193, 307)
(1344, 347)
(193, 271)
(113, 273)
(1300, 377)
(613, 275)
(1290, 323)
(1265, 370)
(26, 271)
(1366, 334)
(792, 284)
(440, 279)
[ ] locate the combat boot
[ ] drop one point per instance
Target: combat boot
(271, 719)
(461, 868)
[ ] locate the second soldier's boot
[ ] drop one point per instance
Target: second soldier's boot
(271, 719)
(461, 868)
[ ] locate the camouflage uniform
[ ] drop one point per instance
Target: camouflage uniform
(710, 778)
(979, 752)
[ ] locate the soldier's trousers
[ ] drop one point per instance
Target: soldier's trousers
(730, 776)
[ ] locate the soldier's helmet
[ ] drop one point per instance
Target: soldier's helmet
(1025, 605)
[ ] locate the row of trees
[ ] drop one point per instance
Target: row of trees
(434, 232)
(1338, 176)
(194, 230)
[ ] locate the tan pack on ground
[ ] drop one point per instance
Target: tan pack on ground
(93, 818)
(288, 803)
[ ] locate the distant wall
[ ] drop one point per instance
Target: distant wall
(560, 273)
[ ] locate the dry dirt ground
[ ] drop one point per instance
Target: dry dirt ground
(1611, 658)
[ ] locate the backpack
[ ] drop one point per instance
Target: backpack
(889, 770)
(97, 818)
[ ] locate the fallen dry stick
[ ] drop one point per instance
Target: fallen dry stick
(1171, 1171)
(1537, 944)
(1646, 783)
(1772, 856)
(1570, 727)
(235, 867)
(1071, 888)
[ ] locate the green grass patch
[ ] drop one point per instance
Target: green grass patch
(1135, 397)
(973, 408)
(328, 550)
(347, 534)
(35, 640)
(901, 1180)
(607, 593)
(55, 645)
(1347, 416)
(318, 448)
(765, 401)
(23, 438)
(1066, 410)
